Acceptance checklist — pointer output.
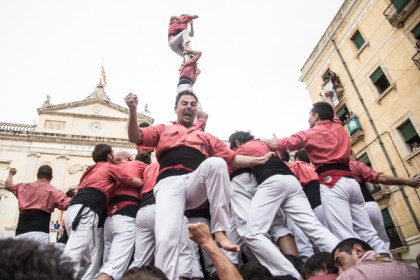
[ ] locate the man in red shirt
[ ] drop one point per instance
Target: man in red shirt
(36, 203)
(362, 173)
(119, 228)
(91, 200)
(192, 169)
(178, 35)
(189, 72)
(328, 146)
(278, 188)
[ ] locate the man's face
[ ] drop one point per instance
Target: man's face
(186, 110)
(312, 119)
(344, 261)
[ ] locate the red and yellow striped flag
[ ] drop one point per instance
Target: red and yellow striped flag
(103, 75)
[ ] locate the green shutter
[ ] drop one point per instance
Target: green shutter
(377, 75)
(343, 110)
(416, 32)
(364, 159)
(325, 75)
(387, 218)
(400, 4)
(358, 39)
(408, 131)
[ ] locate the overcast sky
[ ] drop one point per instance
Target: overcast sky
(252, 55)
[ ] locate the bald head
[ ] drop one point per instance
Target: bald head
(123, 156)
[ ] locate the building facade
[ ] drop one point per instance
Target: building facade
(63, 138)
(369, 56)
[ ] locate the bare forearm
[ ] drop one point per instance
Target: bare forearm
(134, 134)
(247, 161)
(9, 183)
(136, 182)
(224, 267)
(391, 180)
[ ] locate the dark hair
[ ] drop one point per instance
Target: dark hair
(44, 172)
(296, 262)
(144, 124)
(144, 157)
(185, 92)
(146, 272)
(303, 156)
(324, 109)
(347, 246)
(319, 262)
(71, 193)
(241, 136)
(101, 152)
(27, 260)
(252, 271)
(285, 156)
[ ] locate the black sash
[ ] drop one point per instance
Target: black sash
(312, 192)
(148, 199)
(92, 198)
(185, 80)
(186, 156)
(35, 220)
(274, 166)
(366, 194)
(332, 166)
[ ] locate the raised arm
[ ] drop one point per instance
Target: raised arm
(134, 134)
(200, 234)
(192, 29)
(9, 181)
(247, 161)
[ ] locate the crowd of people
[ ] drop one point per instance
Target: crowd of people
(253, 214)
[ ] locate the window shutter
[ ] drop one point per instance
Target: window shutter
(387, 218)
(408, 131)
(358, 40)
(416, 32)
(365, 159)
(377, 75)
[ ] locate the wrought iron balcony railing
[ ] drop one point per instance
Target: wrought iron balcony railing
(399, 10)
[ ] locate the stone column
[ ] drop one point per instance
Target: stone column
(60, 171)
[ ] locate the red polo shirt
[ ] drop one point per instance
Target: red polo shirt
(176, 27)
(362, 172)
(165, 137)
(104, 176)
(304, 171)
(135, 169)
(149, 178)
(189, 69)
(327, 142)
(40, 195)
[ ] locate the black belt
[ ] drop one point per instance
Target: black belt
(148, 199)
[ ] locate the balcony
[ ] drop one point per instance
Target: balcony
(398, 11)
(355, 130)
(416, 59)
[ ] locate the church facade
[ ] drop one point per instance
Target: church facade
(63, 138)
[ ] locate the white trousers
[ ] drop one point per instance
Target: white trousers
(119, 237)
(80, 239)
(377, 220)
(39, 237)
(93, 256)
(177, 43)
(286, 192)
(145, 242)
(185, 87)
(303, 244)
(175, 194)
(242, 190)
(345, 212)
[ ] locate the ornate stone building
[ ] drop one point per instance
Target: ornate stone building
(368, 56)
(63, 138)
